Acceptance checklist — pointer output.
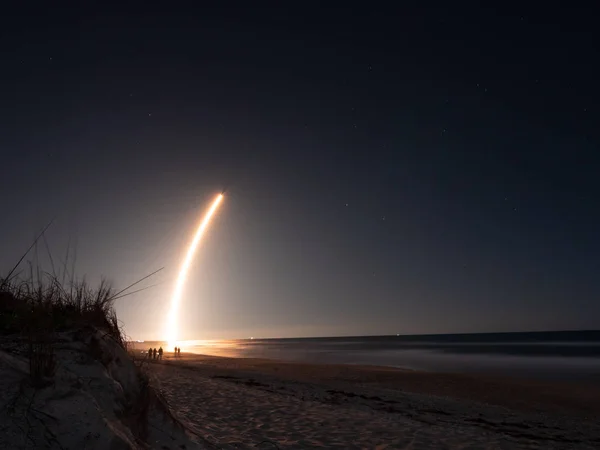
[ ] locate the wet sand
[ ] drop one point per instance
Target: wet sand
(244, 402)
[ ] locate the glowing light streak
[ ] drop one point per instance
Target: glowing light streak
(171, 329)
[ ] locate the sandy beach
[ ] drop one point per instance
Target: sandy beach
(253, 403)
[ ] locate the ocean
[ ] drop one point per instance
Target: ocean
(549, 355)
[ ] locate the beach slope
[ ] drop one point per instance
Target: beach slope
(250, 403)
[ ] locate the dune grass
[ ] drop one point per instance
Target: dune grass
(45, 305)
(39, 308)
(41, 304)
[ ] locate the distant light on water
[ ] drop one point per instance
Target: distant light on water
(532, 355)
(171, 327)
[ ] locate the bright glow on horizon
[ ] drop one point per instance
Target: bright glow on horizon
(171, 328)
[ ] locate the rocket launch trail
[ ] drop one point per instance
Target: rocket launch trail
(171, 327)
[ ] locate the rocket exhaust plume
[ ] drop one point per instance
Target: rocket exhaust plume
(171, 331)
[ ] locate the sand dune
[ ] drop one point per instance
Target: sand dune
(95, 400)
(236, 403)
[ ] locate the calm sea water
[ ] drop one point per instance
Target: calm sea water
(563, 354)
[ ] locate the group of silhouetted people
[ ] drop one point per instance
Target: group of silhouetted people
(155, 354)
(158, 354)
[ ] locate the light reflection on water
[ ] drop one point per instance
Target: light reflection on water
(213, 347)
(532, 359)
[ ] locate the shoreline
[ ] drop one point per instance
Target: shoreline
(554, 363)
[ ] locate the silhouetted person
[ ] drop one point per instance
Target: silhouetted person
(150, 353)
(175, 352)
(154, 354)
(160, 353)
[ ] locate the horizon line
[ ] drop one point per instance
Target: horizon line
(379, 335)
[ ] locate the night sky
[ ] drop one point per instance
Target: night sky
(387, 170)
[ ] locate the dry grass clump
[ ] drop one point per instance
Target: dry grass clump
(42, 304)
(47, 306)
(38, 309)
